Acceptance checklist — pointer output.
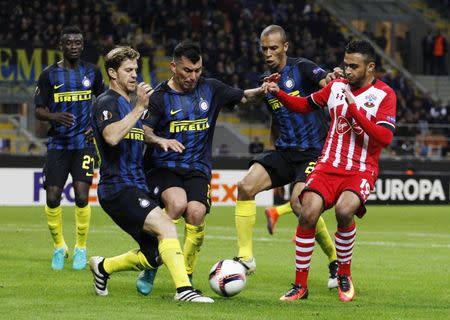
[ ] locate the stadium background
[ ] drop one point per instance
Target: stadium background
(414, 170)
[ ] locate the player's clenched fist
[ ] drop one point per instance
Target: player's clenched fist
(143, 93)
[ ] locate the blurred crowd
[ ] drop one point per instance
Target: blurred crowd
(422, 122)
(228, 31)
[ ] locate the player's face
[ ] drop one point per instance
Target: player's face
(274, 51)
(186, 73)
(357, 70)
(72, 45)
(126, 75)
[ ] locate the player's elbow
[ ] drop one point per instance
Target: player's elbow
(386, 139)
(111, 140)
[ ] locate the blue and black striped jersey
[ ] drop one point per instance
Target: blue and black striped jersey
(189, 118)
(300, 77)
(121, 165)
(69, 90)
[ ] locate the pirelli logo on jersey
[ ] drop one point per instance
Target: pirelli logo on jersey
(275, 104)
(189, 125)
(73, 96)
(135, 134)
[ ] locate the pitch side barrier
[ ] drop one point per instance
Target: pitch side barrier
(402, 188)
(399, 182)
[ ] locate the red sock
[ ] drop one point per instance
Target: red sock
(345, 239)
(304, 246)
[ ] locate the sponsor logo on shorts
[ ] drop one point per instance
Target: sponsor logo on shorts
(144, 203)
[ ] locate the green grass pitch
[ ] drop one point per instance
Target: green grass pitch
(401, 270)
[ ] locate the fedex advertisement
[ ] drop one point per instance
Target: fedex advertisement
(24, 186)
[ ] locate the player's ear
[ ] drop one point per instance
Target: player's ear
(112, 73)
(172, 66)
(371, 67)
(286, 46)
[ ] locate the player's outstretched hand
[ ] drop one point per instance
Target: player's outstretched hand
(65, 118)
(274, 77)
(270, 87)
(143, 93)
(336, 74)
(171, 144)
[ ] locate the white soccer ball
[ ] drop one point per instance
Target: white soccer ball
(227, 278)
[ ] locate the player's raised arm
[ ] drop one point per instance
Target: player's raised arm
(336, 74)
(381, 133)
(114, 132)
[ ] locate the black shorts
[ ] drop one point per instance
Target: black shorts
(129, 210)
(286, 166)
(194, 183)
(59, 163)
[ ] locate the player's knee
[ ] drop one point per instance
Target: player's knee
(195, 218)
(81, 201)
(344, 212)
(245, 190)
(175, 209)
(309, 215)
(296, 206)
(53, 199)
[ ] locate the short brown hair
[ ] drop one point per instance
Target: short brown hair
(116, 56)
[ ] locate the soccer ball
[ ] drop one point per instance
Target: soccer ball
(227, 278)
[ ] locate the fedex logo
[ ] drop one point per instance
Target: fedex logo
(68, 194)
(222, 190)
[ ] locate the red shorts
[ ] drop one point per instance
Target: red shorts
(330, 185)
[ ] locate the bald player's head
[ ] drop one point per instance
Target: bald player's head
(273, 28)
(274, 47)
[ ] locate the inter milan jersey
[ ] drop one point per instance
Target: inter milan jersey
(347, 146)
(299, 77)
(120, 165)
(189, 118)
(69, 90)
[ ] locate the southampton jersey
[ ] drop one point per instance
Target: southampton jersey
(121, 165)
(300, 77)
(347, 146)
(189, 118)
(69, 90)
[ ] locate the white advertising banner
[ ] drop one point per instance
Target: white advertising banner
(24, 186)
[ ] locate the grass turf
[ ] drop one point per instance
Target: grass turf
(400, 270)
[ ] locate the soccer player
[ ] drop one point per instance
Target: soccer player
(64, 98)
(299, 143)
(182, 118)
(362, 111)
(122, 190)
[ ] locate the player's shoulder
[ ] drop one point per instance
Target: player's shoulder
(89, 65)
(307, 66)
(299, 61)
(338, 84)
(107, 97)
(49, 69)
(383, 86)
(205, 81)
(160, 89)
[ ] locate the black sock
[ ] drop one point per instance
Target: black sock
(101, 269)
(181, 289)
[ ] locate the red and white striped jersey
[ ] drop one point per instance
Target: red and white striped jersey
(347, 146)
